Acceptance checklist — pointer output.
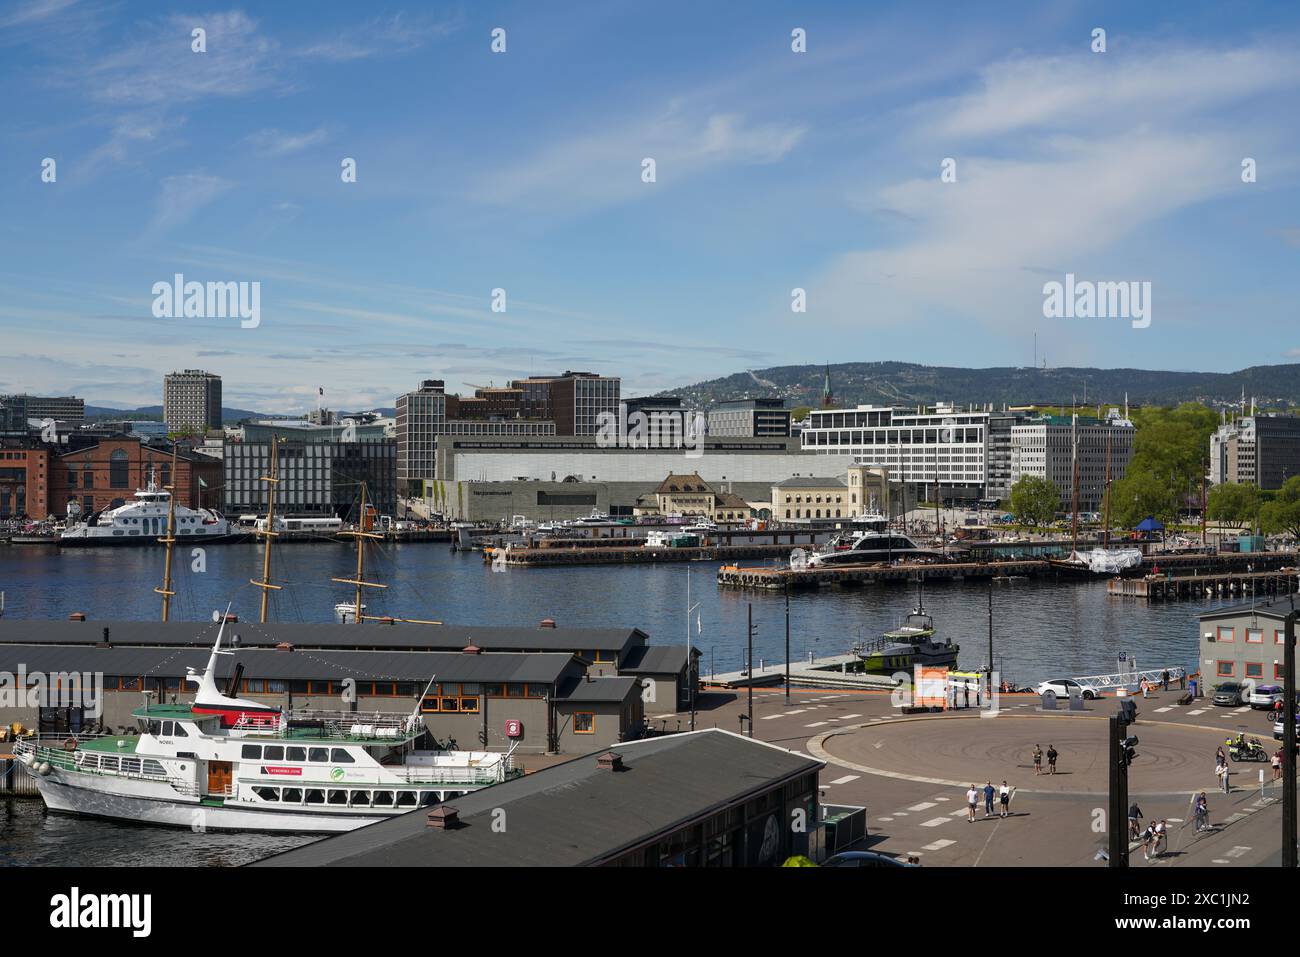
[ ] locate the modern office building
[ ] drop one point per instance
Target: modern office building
(1261, 450)
(749, 417)
(997, 460)
(941, 445)
(316, 478)
(192, 401)
(429, 412)
(1050, 446)
(17, 409)
(574, 401)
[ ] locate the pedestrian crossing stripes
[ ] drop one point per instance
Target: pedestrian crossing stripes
(1164, 709)
(1200, 711)
(815, 724)
(939, 845)
(934, 822)
(923, 806)
(846, 779)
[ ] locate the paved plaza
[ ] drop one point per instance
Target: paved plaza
(911, 772)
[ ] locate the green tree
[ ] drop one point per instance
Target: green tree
(1282, 514)
(1139, 494)
(1233, 505)
(1035, 500)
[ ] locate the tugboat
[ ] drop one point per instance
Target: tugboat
(911, 643)
(228, 764)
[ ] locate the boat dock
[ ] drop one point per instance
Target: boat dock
(831, 672)
(780, 578)
(641, 554)
(1181, 587)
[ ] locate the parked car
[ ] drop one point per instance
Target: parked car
(1230, 694)
(864, 859)
(1266, 696)
(1278, 729)
(1063, 687)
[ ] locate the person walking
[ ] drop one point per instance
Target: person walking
(989, 791)
(1277, 764)
(1164, 680)
(1224, 773)
(972, 797)
(1038, 760)
(1201, 813)
(1134, 821)
(1051, 759)
(1004, 798)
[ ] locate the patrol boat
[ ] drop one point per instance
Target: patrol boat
(230, 764)
(911, 643)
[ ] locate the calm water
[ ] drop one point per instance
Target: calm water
(1041, 630)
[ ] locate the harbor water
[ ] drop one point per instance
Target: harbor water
(1041, 629)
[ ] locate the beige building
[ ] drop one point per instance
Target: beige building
(690, 495)
(864, 488)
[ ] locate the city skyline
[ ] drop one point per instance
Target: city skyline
(776, 170)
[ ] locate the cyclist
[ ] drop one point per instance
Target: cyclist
(1134, 822)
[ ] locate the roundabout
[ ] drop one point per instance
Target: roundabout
(960, 750)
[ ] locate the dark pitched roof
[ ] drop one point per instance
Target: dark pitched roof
(656, 660)
(730, 500)
(574, 813)
(607, 689)
(808, 481)
(290, 665)
(370, 637)
(1277, 610)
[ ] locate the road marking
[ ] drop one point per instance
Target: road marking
(769, 717)
(939, 845)
(846, 779)
(923, 806)
(940, 798)
(957, 813)
(884, 819)
(900, 814)
(1234, 817)
(815, 724)
(1201, 711)
(1241, 710)
(1164, 709)
(934, 822)
(1219, 860)
(1237, 851)
(847, 716)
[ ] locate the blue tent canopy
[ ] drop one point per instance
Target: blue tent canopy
(1149, 524)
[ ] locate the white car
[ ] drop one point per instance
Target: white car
(1064, 687)
(1265, 696)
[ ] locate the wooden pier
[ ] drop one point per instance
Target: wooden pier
(1192, 587)
(848, 575)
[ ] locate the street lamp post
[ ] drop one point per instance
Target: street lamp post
(787, 639)
(1288, 748)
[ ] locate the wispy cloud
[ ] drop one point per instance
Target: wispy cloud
(396, 35)
(180, 198)
(273, 142)
(25, 14)
(604, 167)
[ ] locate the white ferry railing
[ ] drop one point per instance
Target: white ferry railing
(79, 761)
(291, 725)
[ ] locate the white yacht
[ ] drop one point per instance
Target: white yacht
(865, 540)
(143, 520)
(224, 763)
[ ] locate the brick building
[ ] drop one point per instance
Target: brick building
(23, 482)
(108, 474)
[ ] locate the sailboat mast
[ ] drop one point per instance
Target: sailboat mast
(272, 480)
(360, 581)
(1106, 503)
(169, 541)
(1074, 521)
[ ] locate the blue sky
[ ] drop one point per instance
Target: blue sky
(522, 171)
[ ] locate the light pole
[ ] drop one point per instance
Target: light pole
(690, 670)
(787, 639)
(1288, 747)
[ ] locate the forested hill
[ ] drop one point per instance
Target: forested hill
(905, 383)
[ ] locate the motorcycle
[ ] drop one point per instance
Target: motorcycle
(1247, 751)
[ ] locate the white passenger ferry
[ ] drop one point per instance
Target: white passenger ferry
(143, 520)
(225, 763)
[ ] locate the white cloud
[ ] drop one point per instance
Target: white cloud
(181, 197)
(386, 36)
(273, 142)
(605, 167)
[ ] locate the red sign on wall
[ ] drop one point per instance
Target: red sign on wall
(514, 728)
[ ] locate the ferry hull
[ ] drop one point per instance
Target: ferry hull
(139, 809)
(121, 541)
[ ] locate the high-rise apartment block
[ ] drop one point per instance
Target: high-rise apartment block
(192, 401)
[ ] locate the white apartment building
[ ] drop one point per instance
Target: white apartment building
(942, 444)
(1048, 447)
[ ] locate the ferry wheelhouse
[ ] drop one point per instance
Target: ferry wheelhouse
(224, 763)
(143, 520)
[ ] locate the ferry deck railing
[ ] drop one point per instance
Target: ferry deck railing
(78, 761)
